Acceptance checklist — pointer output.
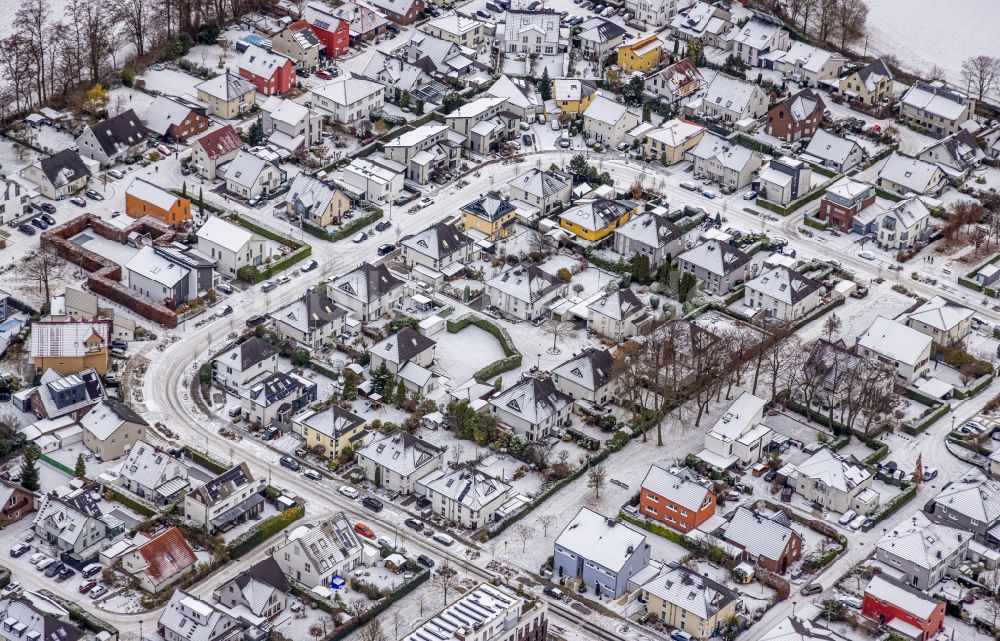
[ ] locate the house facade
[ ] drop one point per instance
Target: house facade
(229, 499)
(213, 150)
(768, 542)
(676, 502)
(840, 484)
(368, 292)
(694, 604)
(228, 95)
(783, 294)
(524, 292)
(904, 349)
(533, 408)
(844, 200)
(796, 117)
(314, 554)
(602, 553)
(651, 234)
(270, 72)
(113, 139)
(717, 265)
(397, 461)
(143, 198)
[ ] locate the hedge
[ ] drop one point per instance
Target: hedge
(204, 460)
(893, 506)
(822, 419)
(300, 252)
(795, 204)
(265, 530)
(130, 502)
(839, 443)
(512, 357)
(814, 223)
(661, 531)
(620, 267)
(313, 229)
(325, 371)
(56, 464)
(965, 282)
(381, 606)
(204, 204)
(497, 367)
(914, 394)
(357, 225)
(880, 453)
(975, 387)
(928, 421)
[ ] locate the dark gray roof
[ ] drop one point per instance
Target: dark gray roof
(267, 571)
(63, 167)
(254, 351)
(121, 131)
(224, 484)
(877, 67)
(124, 412)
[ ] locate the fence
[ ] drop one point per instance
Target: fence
(56, 464)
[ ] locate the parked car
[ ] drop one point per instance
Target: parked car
(87, 586)
(711, 195)
(116, 174)
(226, 311)
(348, 491)
(163, 149)
(309, 265)
(372, 503)
(25, 228)
(858, 522)
(360, 237)
(268, 286)
(302, 73)
(290, 463)
(38, 222)
(811, 588)
(425, 561)
(414, 524)
(49, 208)
(443, 539)
(847, 517)
(867, 255)
(255, 320)
(19, 549)
(325, 75)
(385, 249)
(48, 219)
(750, 195)
(364, 530)
(45, 564)
(554, 125)
(79, 202)
(225, 288)
(37, 557)
(98, 592)
(53, 569)
(312, 475)
(118, 343)
(91, 194)
(770, 476)
(10, 589)
(681, 635)
(690, 186)
(90, 570)
(382, 225)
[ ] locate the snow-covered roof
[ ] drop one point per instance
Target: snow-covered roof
(63, 395)
(784, 284)
(730, 93)
(937, 101)
(601, 540)
(526, 284)
(248, 354)
(841, 473)
(366, 283)
(570, 89)
(310, 312)
(163, 113)
(922, 542)
(454, 23)
(619, 304)
(152, 194)
(226, 86)
(808, 57)
(517, 92)
(888, 590)
(941, 313)
(310, 194)
(65, 339)
(701, 18)
(676, 132)
(690, 591)
(489, 606)
(684, 492)
(745, 411)
(404, 345)
(911, 173)
(191, 618)
(220, 142)
(756, 34)
(245, 168)
(759, 536)
(600, 31)
(975, 495)
(151, 265)
(148, 466)
(591, 369)
(437, 241)
(477, 107)
(224, 234)
(546, 24)
(166, 555)
(393, 71)
(533, 400)
(895, 341)
(539, 183)
(470, 488)
(285, 111)
(873, 72)
(333, 421)
(830, 147)
(716, 257)
(803, 105)
(598, 214)
(796, 629)
(261, 62)
(728, 154)
(650, 229)
(119, 132)
(400, 452)
(348, 89)
(605, 110)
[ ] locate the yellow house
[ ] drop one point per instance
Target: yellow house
(870, 85)
(701, 608)
(70, 347)
(640, 56)
(572, 95)
(671, 140)
(489, 214)
(333, 429)
(597, 219)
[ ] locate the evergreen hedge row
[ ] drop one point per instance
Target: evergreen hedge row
(357, 225)
(512, 357)
(130, 502)
(265, 530)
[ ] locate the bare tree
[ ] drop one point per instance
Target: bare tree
(832, 326)
(134, 16)
(596, 479)
(546, 521)
(372, 632)
(557, 329)
(445, 579)
(524, 532)
(43, 268)
(936, 72)
(827, 17)
(851, 18)
(981, 74)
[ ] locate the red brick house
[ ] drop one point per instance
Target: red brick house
(334, 33)
(771, 543)
(174, 118)
(678, 503)
(902, 608)
(15, 503)
(402, 12)
(844, 200)
(270, 72)
(796, 117)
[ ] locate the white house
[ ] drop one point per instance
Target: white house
(809, 63)
(545, 189)
(426, 150)
(838, 483)
(188, 618)
(904, 175)
(957, 155)
(407, 346)
(152, 474)
(290, 125)
(239, 365)
(232, 246)
(836, 152)
(936, 108)
(717, 265)
(439, 247)
(523, 292)
(731, 100)
(397, 461)
(758, 37)
(159, 561)
(378, 180)
(903, 348)
(945, 321)
(466, 496)
(313, 554)
(602, 552)
(651, 234)
(782, 293)
(313, 321)
(903, 224)
(607, 121)
(703, 21)
(653, 14)
(588, 376)
(532, 408)
(367, 292)
(225, 501)
(211, 152)
(250, 176)
(348, 98)
(740, 436)
(724, 162)
(616, 314)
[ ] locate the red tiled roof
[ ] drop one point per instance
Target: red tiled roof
(221, 141)
(167, 555)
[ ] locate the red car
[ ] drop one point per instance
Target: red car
(364, 530)
(325, 75)
(87, 586)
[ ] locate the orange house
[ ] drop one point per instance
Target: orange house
(678, 503)
(143, 198)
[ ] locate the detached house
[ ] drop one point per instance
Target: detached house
(651, 234)
(945, 321)
(903, 175)
(15, 502)
(652, 13)
(607, 121)
(906, 350)
(375, 179)
(74, 526)
(809, 64)
(485, 122)
(935, 108)
(717, 265)
(690, 602)
(529, 32)
(441, 247)
(972, 504)
(364, 24)
(903, 225)
(111, 428)
(347, 99)
(677, 502)
(152, 474)
(313, 321)
(58, 176)
(290, 125)
(249, 176)
(570, 96)
(244, 362)
(731, 100)
(840, 484)
(175, 119)
(524, 292)
(957, 155)
(402, 12)
(404, 348)
(228, 96)
(522, 97)
(599, 37)
(160, 561)
(669, 142)
(270, 72)
(548, 190)
(69, 347)
(724, 162)
(675, 82)
(262, 589)
(902, 608)
(491, 215)
(73, 395)
(187, 618)
(225, 501)
(770, 543)
(603, 553)
(143, 198)
(836, 152)
(466, 496)
(397, 461)
(272, 399)
(740, 436)
(396, 73)
(784, 180)
(707, 22)
(367, 292)
(751, 42)
(213, 150)
(588, 376)
(426, 151)
(870, 85)
(533, 408)
(596, 219)
(795, 117)
(783, 294)
(333, 32)
(315, 554)
(617, 315)
(312, 199)
(461, 30)
(923, 552)
(844, 200)
(333, 428)
(300, 43)
(113, 139)
(233, 247)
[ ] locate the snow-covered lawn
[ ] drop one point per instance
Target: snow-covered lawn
(461, 355)
(171, 82)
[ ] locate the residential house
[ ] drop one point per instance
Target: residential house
(838, 483)
(333, 32)
(904, 175)
(290, 125)
(676, 501)
(461, 30)
(402, 12)
(587, 376)
(726, 163)
(810, 65)
(16, 502)
(72, 396)
(58, 176)
(603, 553)
(524, 291)
(466, 495)
(272, 399)
(364, 23)
(784, 180)
(213, 150)
(675, 82)
(987, 275)
(229, 499)
(397, 74)
(653, 14)
(74, 525)
(300, 43)
(318, 202)
(599, 37)
(69, 347)
(228, 95)
(262, 589)
(758, 37)
(375, 179)
(731, 100)
(496, 609)
(111, 428)
(175, 119)
(426, 151)
(692, 603)
(441, 247)
(397, 461)
(313, 321)
(250, 176)
(246, 361)
(485, 122)
(957, 154)
(530, 32)
(532, 408)
(641, 56)
(904, 224)
(607, 121)
(443, 60)
(740, 436)
(617, 315)
(869, 85)
(368, 292)
(935, 108)
(152, 474)
(347, 99)
(902, 608)
(160, 561)
(403, 348)
(315, 554)
(709, 23)
(143, 198)
(971, 503)
(797, 116)
(593, 220)
(783, 294)
(232, 246)
(651, 234)
(844, 200)
(836, 152)
(716, 265)
(33, 615)
(113, 139)
(669, 142)
(923, 552)
(945, 321)
(188, 618)
(546, 189)
(571, 96)
(173, 275)
(770, 543)
(269, 71)
(491, 215)
(334, 429)
(906, 350)
(522, 97)
(14, 200)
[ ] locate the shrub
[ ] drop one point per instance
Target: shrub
(128, 76)
(564, 275)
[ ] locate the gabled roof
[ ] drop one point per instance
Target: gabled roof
(322, 17)
(147, 465)
(601, 540)
(909, 599)
(909, 212)
(605, 110)
(333, 421)
(739, 418)
(650, 229)
(224, 234)
(531, 399)
(226, 86)
(682, 73)
(246, 168)
(107, 416)
(541, 184)
(759, 536)
(51, 392)
(895, 341)
(310, 312)
(831, 147)
(873, 72)
(598, 214)
(730, 93)
(701, 18)
(527, 284)
(841, 473)
(784, 284)
(941, 313)
(223, 485)
(960, 148)
(600, 30)
(796, 629)
(975, 495)
(404, 345)
(676, 132)
(728, 154)
(119, 132)
(394, 71)
(934, 99)
(619, 304)
(65, 338)
(152, 194)
(592, 369)
(716, 257)
(489, 207)
(30, 616)
(684, 492)
(911, 173)
(220, 142)
(756, 34)
(921, 542)
(165, 112)
(167, 555)
(195, 620)
(261, 62)
(690, 591)
(469, 487)
(63, 167)
(437, 241)
(401, 452)
(360, 19)
(516, 91)
(347, 89)
(366, 283)
(546, 23)
(802, 105)
(310, 195)
(808, 57)
(454, 23)
(570, 89)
